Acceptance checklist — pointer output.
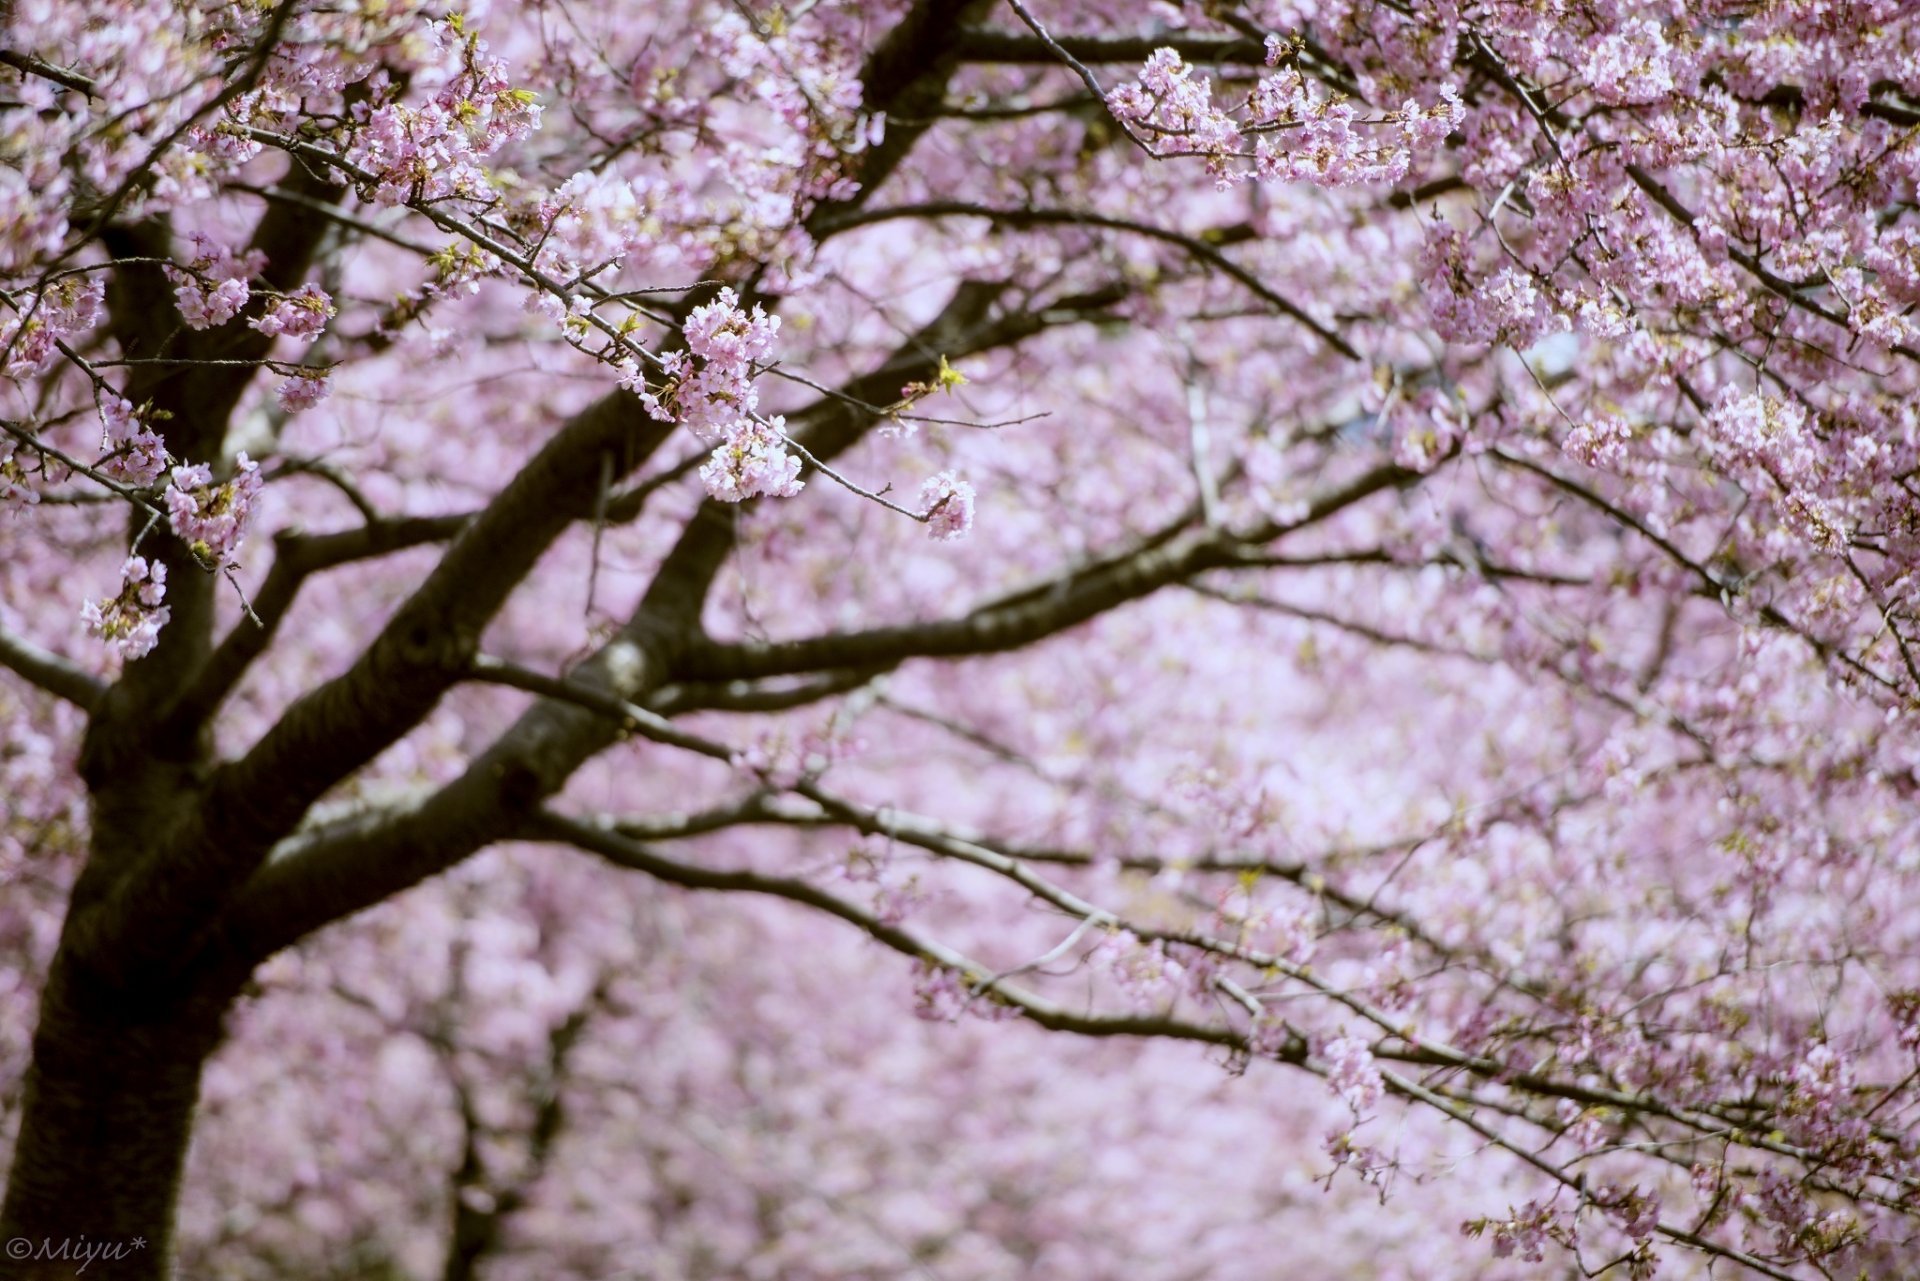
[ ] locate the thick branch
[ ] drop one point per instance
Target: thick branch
(48, 671)
(1167, 556)
(296, 557)
(196, 380)
(905, 77)
(154, 913)
(533, 760)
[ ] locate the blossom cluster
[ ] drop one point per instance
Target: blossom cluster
(13, 477)
(709, 389)
(1352, 1073)
(434, 150)
(212, 286)
(303, 388)
(29, 338)
(1527, 1231)
(810, 89)
(211, 518)
(1289, 129)
(135, 454)
(1146, 973)
(300, 314)
(595, 219)
(948, 504)
(1771, 442)
(751, 460)
(942, 994)
(131, 621)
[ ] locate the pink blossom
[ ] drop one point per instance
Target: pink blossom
(1148, 976)
(212, 288)
(135, 454)
(948, 506)
(203, 308)
(300, 314)
(1526, 1231)
(1584, 1128)
(14, 484)
(1351, 1072)
(720, 331)
(1602, 443)
(1631, 65)
(131, 621)
(66, 308)
(939, 995)
(752, 460)
(30, 346)
(1167, 101)
(713, 394)
(212, 518)
(303, 390)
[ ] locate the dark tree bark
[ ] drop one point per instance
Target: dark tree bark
(107, 1114)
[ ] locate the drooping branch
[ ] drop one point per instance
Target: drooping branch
(610, 845)
(1708, 583)
(623, 841)
(601, 839)
(1794, 294)
(49, 671)
(811, 808)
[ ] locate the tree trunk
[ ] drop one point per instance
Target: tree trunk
(107, 1115)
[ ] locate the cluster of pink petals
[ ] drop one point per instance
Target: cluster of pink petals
(812, 89)
(13, 477)
(70, 306)
(212, 288)
(303, 389)
(750, 461)
(722, 332)
(1526, 1231)
(300, 314)
(134, 453)
(131, 621)
(948, 505)
(435, 150)
(1352, 1073)
(709, 390)
(1289, 128)
(211, 517)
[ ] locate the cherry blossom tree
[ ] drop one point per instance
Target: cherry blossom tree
(961, 638)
